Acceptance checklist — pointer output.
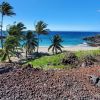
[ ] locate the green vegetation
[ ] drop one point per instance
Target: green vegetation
(48, 61)
(12, 41)
(1, 53)
(10, 45)
(15, 35)
(6, 10)
(56, 44)
(54, 61)
(40, 28)
(16, 30)
(31, 42)
(81, 54)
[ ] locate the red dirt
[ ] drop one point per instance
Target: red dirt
(29, 84)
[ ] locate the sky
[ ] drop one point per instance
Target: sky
(60, 15)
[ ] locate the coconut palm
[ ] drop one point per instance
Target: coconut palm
(10, 45)
(56, 44)
(16, 30)
(31, 42)
(6, 10)
(40, 28)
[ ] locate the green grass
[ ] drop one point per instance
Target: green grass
(81, 54)
(48, 61)
(53, 62)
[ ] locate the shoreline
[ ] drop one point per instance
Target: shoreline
(44, 49)
(70, 48)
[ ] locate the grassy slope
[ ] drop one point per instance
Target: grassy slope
(81, 54)
(48, 62)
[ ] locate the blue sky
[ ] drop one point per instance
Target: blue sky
(63, 15)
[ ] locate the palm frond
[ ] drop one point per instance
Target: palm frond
(7, 9)
(4, 57)
(59, 48)
(50, 47)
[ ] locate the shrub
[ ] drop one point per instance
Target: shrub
(70, 59)
(89, 60)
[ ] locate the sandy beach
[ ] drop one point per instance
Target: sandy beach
(44, 49)
(69, 48)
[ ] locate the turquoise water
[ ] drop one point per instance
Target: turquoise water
(69, 38)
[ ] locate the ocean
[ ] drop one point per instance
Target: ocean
(69, 38)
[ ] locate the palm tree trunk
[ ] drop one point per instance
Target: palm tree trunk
(26, 53)
(56, 50)
(9, 59)
(38, 44)
(1, 31)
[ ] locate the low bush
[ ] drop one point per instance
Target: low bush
(70, 59)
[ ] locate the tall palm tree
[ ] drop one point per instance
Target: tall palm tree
(6, 10)
(31, 42)
(56, 44)
(40, 28)
(10, 45)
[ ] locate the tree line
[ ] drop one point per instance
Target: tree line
(11, 43)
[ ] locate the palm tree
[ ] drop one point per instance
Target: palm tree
(31, 42)
(56, 46)
(6, 10)
(16, 30)
(10, 45)
(40, 28)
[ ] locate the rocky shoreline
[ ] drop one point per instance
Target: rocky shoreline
(27, 83)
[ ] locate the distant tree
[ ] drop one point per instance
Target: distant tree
(93, 40)
(40, 28)
(10, 45)
(56, 44)
(30, 42)
(6, 10)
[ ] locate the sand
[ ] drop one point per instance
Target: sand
(44, 49)
(69, 48)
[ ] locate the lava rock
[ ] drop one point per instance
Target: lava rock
(70, 58)
(88, 61)
(94, 79)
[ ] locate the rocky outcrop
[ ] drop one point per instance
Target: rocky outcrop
(95, 80)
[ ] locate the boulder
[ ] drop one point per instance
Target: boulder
(95, 80)
(98, 84)
(5, 69)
